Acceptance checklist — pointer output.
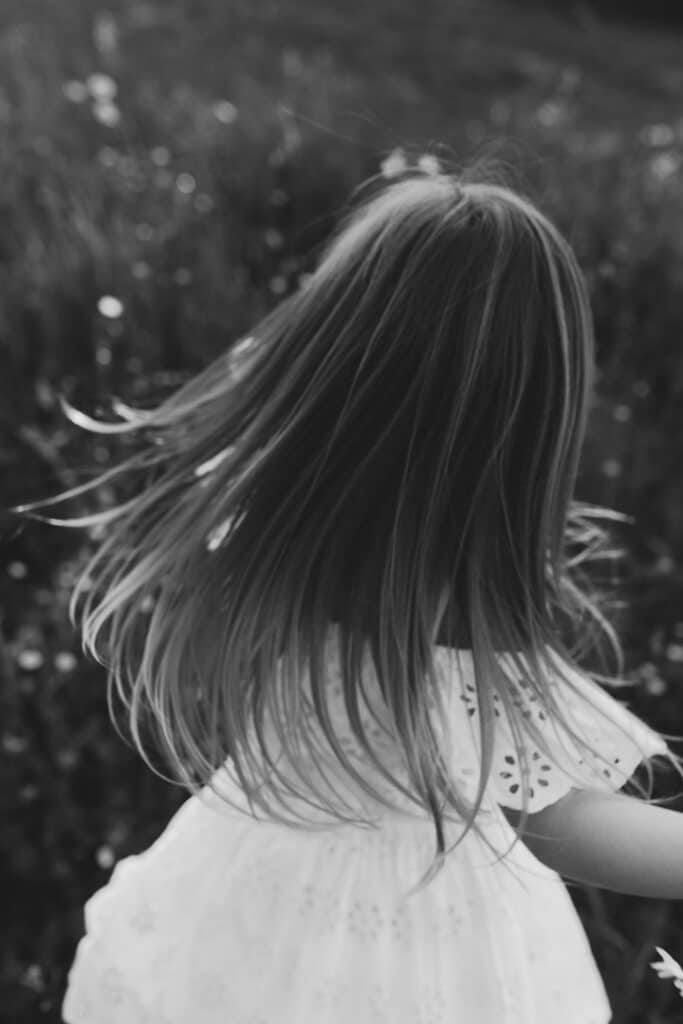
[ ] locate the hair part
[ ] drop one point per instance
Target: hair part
(393, 449)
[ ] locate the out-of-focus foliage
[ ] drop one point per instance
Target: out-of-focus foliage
(635, 12)
(167, 172)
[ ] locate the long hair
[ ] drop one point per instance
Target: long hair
(392, 450)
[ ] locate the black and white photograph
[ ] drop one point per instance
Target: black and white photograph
(341, 512)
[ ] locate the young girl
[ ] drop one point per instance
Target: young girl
(346, 591)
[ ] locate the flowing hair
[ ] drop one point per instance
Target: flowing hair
(393, 449)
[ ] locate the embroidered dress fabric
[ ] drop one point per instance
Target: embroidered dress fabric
(229, 919)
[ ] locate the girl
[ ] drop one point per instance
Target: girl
(371, 497)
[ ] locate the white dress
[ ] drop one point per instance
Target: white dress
(225, 919)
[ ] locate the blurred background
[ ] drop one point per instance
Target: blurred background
(167, 171)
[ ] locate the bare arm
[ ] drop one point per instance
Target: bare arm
(611, 841)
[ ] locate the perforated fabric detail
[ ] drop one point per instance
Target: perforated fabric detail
(599, 723)
(622, 739)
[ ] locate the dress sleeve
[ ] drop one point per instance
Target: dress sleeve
(622, 738)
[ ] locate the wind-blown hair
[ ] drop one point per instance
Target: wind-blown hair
(394, 449)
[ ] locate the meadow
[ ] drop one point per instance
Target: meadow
(167, 173)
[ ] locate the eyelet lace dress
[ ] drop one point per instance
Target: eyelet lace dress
(230, 919)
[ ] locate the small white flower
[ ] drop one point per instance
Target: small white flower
(657, 135)
(667, 967)
(224, 111)
(33, 978)
(429, 164)
(105, 856)
(30, 660)
(101, 87)
(551, 113)
(110, 306)
(394, 164)
(65, 661)
(185, 183)
(664, 166)
(13, 744)
(106, 113)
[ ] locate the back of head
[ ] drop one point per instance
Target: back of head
(443, 375)
(394, 448)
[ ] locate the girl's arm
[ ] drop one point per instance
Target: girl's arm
(611, 841)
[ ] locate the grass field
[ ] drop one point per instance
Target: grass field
(183, 161)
